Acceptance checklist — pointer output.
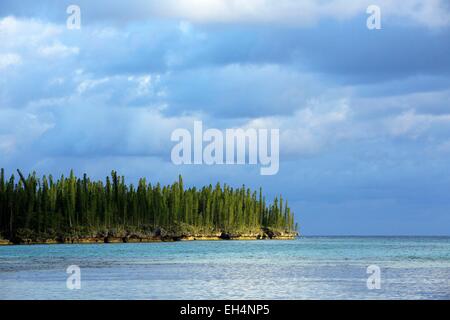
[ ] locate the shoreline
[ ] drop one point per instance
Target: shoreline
(153, 238)
(115, 241)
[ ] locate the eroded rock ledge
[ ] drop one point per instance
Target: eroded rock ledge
(158, 235)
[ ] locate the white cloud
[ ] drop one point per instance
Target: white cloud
(89, 84)
(20, 128)
(433, 13)
(19, 33)
(430, 13)
(58, 50)
(413, 125)
(144, 85)
(9, 59)
(310, 129)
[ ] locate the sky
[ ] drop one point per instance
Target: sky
(364, 115)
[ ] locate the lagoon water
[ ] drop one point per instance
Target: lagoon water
(306, 268)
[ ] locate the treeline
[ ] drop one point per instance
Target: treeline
(49, 205)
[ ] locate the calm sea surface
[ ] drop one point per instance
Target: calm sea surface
(307, 268)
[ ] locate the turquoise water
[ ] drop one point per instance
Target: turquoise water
(307, 268)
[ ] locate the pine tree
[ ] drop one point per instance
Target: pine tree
(40, 205)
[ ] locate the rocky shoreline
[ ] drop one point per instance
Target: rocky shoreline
(159, 235)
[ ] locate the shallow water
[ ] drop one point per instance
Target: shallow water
(306, 268)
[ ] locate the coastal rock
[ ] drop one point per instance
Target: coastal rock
(225, 236)
(147, 234)
(268, 233)
(160, 232)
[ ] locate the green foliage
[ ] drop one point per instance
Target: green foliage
(30, 207)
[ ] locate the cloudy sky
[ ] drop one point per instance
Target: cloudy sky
(364, 115)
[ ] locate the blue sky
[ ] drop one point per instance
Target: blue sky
(364, 115)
